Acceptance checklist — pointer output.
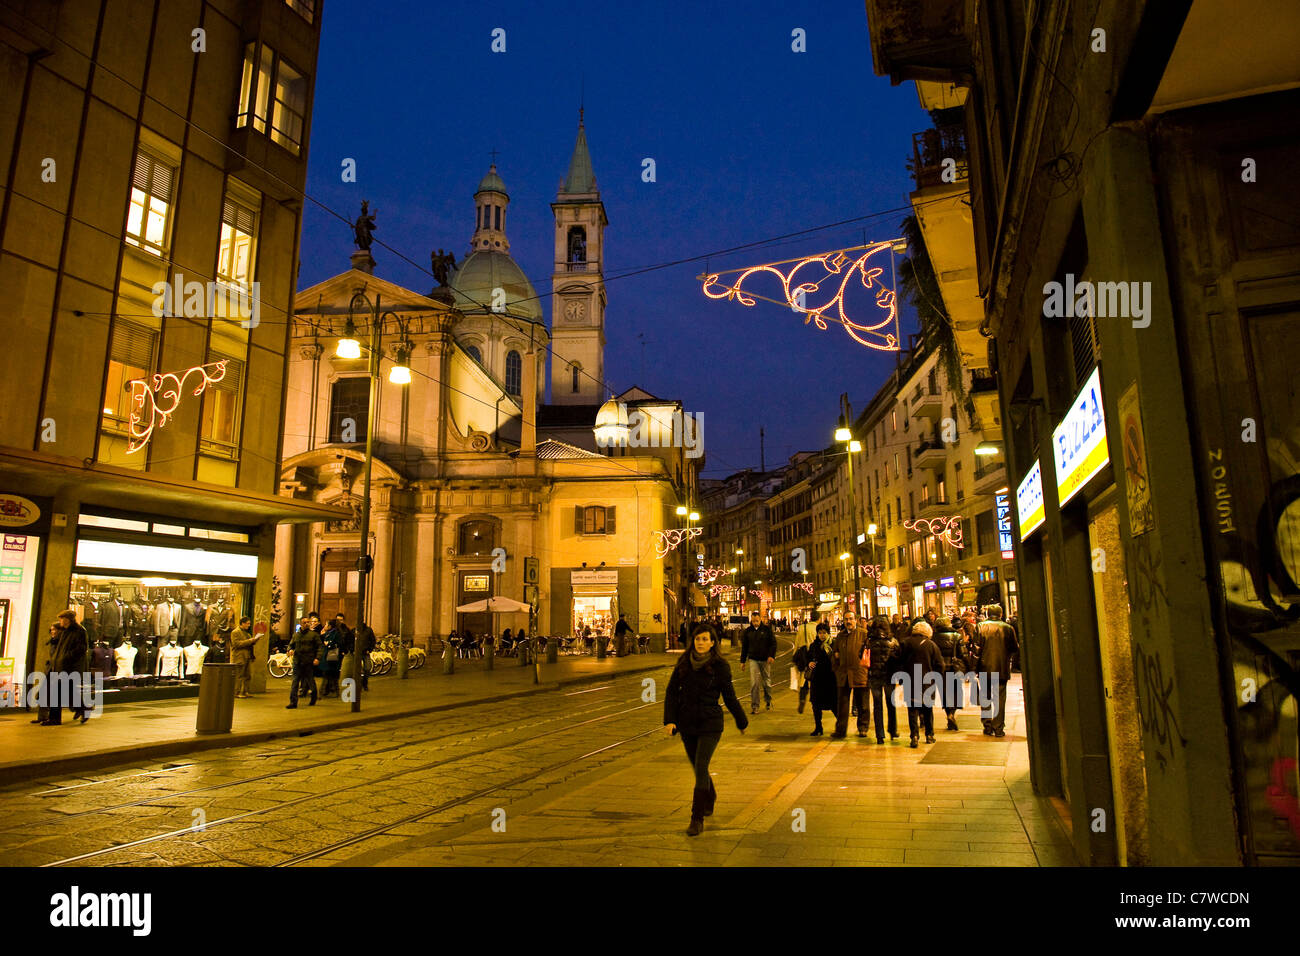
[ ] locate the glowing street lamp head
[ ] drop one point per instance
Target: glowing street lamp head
(681, 509)
(740, 551)
(693, 516)
(400, 373)
(843, 434)
(987, 448)
(844, 556)
(348, 348)
(855, 446)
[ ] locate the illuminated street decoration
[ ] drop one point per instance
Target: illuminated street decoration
(152, 406)
(757, 594)
(947, 528)
(804, 586)
(869, 570)
(709, 575)
(802, 278)
(666, 541)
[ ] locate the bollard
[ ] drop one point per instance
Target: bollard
(537, 662)
(552, 651)
(347, 668)
(489, 654)
(403, 661)
(600, 647)
(523, 655)
(448, 658)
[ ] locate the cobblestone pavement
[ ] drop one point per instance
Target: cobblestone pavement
(569, 777)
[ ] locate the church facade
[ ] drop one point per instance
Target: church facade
(479, 486)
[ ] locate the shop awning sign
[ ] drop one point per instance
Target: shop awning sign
(1029, 502)
(1079, 442)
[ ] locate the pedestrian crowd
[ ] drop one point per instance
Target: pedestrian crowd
(318, 651)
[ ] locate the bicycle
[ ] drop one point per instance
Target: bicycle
(280, 665)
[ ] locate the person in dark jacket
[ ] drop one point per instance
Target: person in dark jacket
(758, 648)
(67, 662)
(884, 659)
(948, 640)
(998, 644)
(331, 658)
(923, 667)
(242, 644)
(362, 641)
(305, 647)
(691, 709)
(821, 677)
(847, 657)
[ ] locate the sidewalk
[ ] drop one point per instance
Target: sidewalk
(150, 730)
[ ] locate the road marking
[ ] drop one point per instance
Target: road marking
(588, 690)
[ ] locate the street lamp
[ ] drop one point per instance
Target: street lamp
(349, 347)
(845, 436)
(872, 530)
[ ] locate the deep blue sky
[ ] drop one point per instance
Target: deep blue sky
(751, 141)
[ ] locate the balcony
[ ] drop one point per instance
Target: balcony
(988, 407)
(939, 157)
(928, 404)
(990, 475)
(933, 507)
(932, 455)
(912, 41)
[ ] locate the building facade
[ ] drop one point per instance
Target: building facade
(1135, 246)
(148, 241)
(480, 488)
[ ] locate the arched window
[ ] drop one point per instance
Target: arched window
(576, 369)
(577, 244)
(514, 373)
(496, 217)
(476, 537)
(473, 352)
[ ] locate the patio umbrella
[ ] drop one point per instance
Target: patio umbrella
(497, 604)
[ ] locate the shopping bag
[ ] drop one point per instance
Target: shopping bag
(794, 678)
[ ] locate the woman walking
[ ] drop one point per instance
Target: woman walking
(691, 709)
(821, 678)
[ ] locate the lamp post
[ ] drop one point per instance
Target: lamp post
(737, 571)
(872, 530)
(350, 347)
(843, 434)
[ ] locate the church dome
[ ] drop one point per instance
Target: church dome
(486, 270)
(492, 183)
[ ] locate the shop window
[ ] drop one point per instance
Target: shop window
(238, 239)
(148, 220)
(986, 532)
(593, 519)
(349, 410)
(131, 356)
(221, 410)
(514, 373)
(476, 537)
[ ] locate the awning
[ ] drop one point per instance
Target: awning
(698, 597)
(828, 606)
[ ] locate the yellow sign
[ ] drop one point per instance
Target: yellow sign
(476, 582)
(1136, 483)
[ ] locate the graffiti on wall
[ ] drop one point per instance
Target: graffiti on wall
(1155, 693)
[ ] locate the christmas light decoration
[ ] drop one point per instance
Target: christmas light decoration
(804, 586)
(666, 541)
(757, 594)
(869, 570)
(152, 405)
(837, 269)
(948, 528)
(709, 575)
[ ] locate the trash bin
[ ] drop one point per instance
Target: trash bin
(216, 698)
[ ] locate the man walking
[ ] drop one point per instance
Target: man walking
(922, 665)
(758, 647)
(884, 657)
(360, 642)
(67, 662)
(305, 647)
(997, 644)
(621, 631)
(241, 655)
(850, 658)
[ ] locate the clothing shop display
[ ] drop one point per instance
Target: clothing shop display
(169, 660)
(147, 658)
(193, 621)
(125, 658)
(110, 619)
(194, 655)
(164, 616)
(101, 659)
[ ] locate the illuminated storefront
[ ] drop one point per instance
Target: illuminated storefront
(24, 522)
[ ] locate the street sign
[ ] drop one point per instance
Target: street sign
(1029, 502)
(1079, 442)
(1005, 538)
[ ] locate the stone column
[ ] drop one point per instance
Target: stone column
(267, 539)
(426, 565)
(284, 572)
(383, 575)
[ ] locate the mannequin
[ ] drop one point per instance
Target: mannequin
(101, 659)
(169, 658)
(194, 654)
(147, 659)
(125, 658)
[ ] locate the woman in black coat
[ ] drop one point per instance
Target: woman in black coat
(691, 708)
(821, 678)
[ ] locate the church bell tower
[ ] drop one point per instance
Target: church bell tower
(578, 284)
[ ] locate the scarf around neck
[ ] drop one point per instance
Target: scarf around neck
(698, 660)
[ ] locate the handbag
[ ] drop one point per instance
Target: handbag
(332, 654)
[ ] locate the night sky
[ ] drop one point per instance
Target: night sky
(751, 141)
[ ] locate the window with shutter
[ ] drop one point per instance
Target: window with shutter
(148, 216)
(609, 520)
(238, 239)
(131, 356)
(578, 520)
(221, 410)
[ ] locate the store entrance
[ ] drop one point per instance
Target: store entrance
(596, 612)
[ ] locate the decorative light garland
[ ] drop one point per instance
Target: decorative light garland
(709, 575)
(148, 412)
(796, 291)
(803, 586)
(948, 528)
(666, 541)
(870, 571)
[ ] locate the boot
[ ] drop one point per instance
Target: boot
(710, 800)
(698, 803)
(952, 723)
